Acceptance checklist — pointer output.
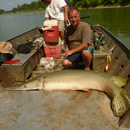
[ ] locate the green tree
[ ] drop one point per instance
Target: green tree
(1, 11)
(14, 10)
(39, 5)
(86, 3)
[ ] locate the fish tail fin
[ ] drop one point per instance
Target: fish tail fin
(121, 103)
(119, 81)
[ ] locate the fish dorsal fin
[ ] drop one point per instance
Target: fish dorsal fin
(119, 81)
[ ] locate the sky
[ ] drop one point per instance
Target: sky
(10, 4)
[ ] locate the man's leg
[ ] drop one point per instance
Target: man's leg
(61, 35)
(66, 63)
(61, 27)
(71, 60)
(87, 58)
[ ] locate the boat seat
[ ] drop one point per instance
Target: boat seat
(22, 70)
(99, 61)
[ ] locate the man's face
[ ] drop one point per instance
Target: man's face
(74, 17)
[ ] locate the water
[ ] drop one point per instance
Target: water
(14, 24)
(116, 20)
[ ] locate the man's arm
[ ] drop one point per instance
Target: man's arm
(77, 49)
(65, 13)
(47, 14)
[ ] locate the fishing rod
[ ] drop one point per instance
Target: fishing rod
(85, 17)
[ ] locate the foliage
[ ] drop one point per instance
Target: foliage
(39, 5)
(1, 11)
(93, 3)
(34, 6)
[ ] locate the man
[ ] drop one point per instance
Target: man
(58, 10)
(77, 41)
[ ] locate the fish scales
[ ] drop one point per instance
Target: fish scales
(80, 80)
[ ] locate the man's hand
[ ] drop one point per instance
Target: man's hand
(68, 52)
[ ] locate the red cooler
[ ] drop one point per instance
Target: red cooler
(53, 51)
(52, 44)
(51, 35)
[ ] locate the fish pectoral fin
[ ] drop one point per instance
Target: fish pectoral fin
(121, 103)
(45, 92)
(119, 81)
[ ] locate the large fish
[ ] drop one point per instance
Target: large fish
(85, 80)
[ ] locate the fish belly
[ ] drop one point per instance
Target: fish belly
(70, 80)
(65, 86)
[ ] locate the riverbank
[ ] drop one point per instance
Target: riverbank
(97, 7)
(24, 12)
(117, 6)
(102, 7)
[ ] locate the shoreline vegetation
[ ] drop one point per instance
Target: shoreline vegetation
(112, 6)
(80, 4)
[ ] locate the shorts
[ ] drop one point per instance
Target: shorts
(76, 57)
(61, 25)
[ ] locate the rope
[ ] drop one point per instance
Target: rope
(108, 58)
(43, 92)
(54, 67)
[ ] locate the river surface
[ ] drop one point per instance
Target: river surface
(116, 20)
